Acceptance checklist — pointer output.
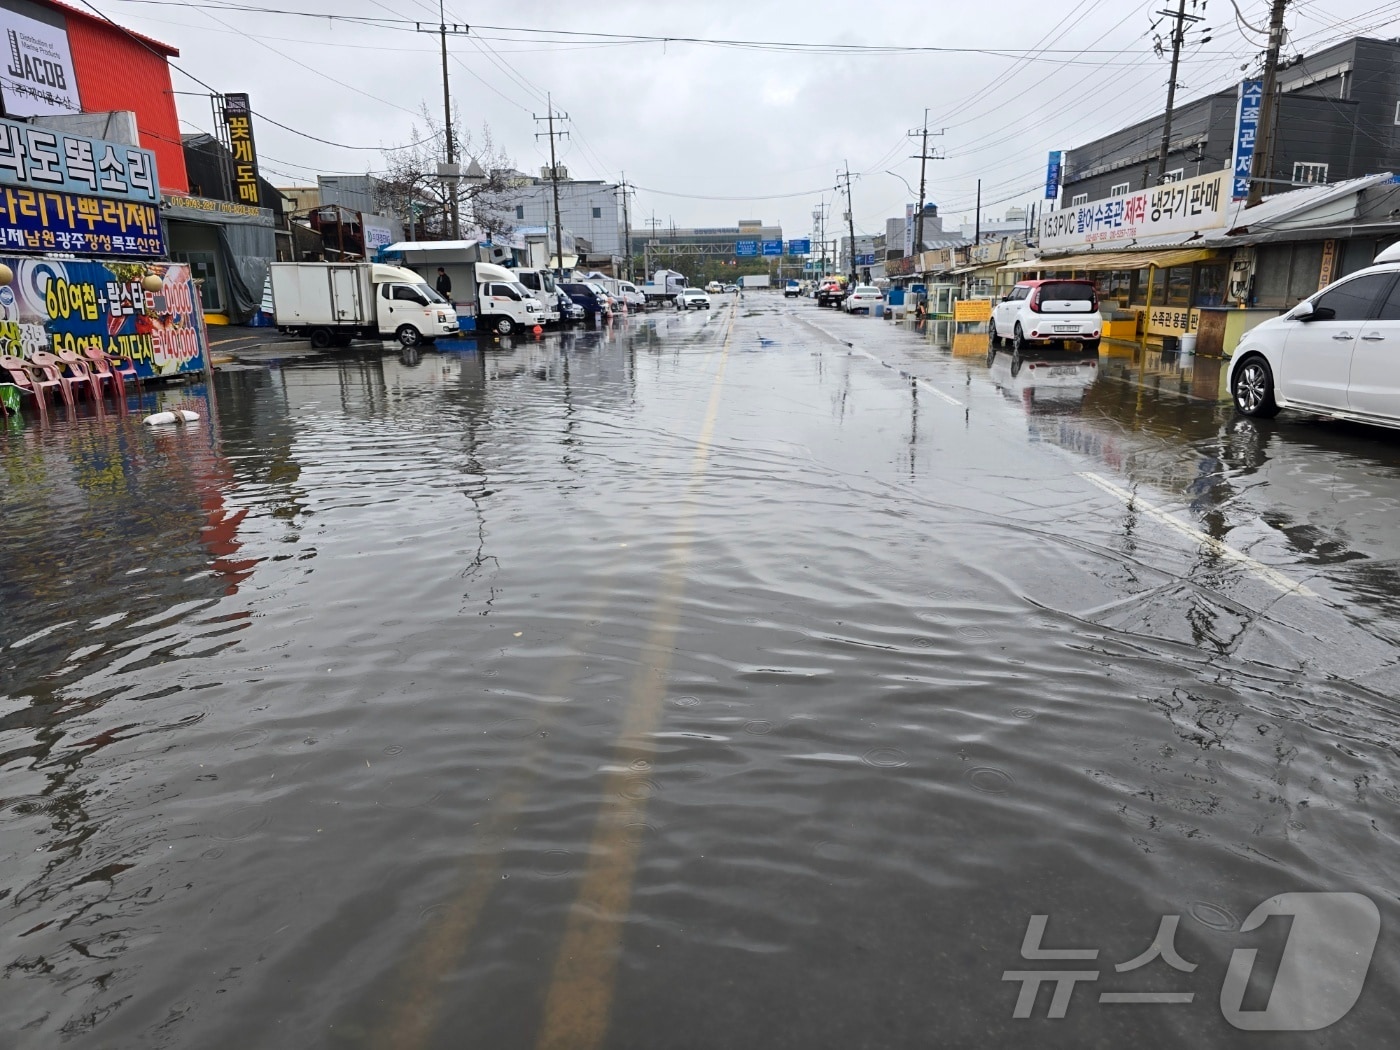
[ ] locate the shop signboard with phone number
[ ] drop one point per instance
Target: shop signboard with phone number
(1191, 206)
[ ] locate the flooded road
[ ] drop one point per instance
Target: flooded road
(750, 678)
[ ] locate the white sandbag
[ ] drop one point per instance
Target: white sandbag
(182, 416)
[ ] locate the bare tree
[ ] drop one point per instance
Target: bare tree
(410, 185)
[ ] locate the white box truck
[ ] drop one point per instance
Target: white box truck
(333, 303)
(664, 285)
(756, 280)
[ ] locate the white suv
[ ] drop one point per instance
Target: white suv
(1336, 352)
(1046, 312)
(864, 297)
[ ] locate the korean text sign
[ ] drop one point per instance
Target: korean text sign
(238, 115)
(38, 67)
(1052, 176)
(1174, 207)
(41, 159)
(1246, 130)
(63, 304)
(37, 221)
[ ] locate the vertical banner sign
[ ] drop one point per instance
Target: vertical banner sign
(238, 115)
(1052, 176)
(1251, 97)
(909, 248)
(1329, 264)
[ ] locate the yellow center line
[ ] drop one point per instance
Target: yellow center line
(579, 1002)
(416, 1003)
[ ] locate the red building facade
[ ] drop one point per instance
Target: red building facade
(120, 69)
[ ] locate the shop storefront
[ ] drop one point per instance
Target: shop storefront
(227, 247)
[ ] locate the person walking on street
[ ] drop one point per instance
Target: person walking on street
(444, 284)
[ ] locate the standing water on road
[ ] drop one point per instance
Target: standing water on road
(753, 677)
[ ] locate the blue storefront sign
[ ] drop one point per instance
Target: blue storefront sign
(866, 260)
(39, 159)
(44, 221)
(1052, 175)
(800, 247)
(772, 247)
(1251, 98)
(745, 249)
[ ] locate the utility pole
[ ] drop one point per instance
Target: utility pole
(978, 227)
(1179, 19)
(1260, 168)
(850, 216)
(924, 157)
(626, 227)
(554, 178)
(449, 172)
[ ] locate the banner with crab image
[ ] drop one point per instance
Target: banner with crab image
(148, 312)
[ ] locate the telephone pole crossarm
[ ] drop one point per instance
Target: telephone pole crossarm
(922, 134)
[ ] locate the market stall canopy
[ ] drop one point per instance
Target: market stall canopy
(1101, 262)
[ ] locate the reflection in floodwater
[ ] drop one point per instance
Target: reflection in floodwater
(319, 720)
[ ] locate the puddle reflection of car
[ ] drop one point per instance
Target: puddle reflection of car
(1044, 383)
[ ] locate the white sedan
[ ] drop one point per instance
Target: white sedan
(863, 297)
(692, 299)
(1337, 352)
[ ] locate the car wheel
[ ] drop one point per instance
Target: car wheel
(1018, 343)
(1252, 388)
(1090, 346)
(321, 338)
(991, 355)
(503, 326)
(993, 340)
(408, 335)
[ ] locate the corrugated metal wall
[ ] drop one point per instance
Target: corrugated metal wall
(116, 71)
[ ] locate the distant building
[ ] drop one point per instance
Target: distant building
(661, 236)
(1015, 224)
(589, 209)
(870, 250)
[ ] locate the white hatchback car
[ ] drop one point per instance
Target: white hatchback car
(1336, 352)
(1045, 312)
(863, 297)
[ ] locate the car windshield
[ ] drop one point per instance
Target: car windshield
(866, 289)
(429, 293)
(1072, 291)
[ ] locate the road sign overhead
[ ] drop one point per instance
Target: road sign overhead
(745, 249)
(772, 247)
(800, 247)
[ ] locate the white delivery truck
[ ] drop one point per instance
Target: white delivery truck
(664, 285)
(501, 302)
(543, 287)
(756, 280)
(333, 303)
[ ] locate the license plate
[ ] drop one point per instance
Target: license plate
(1062, 370)
(1066, 328)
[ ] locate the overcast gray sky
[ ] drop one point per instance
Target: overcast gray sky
(690, 122)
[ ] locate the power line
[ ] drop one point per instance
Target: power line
(815, 47)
